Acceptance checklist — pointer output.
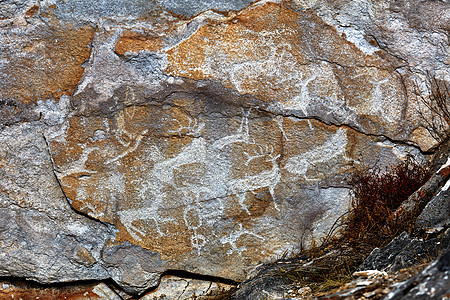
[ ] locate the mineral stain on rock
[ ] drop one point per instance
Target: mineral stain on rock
(43, 63)
(193, 174)
(205, 137)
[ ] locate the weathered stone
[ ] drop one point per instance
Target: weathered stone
(27, 290)
(193, 176)
(172, 287)
(272, 53)
(205, 142)
(191, 8)
(42, 61)
(431, 283)
(436, 213)
(133, 268)
(35, 219)
(405, 251)
(36, 222)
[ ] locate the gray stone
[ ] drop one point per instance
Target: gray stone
(36, 221)
(404, 252)
(436, 213)
(191, 8)
(80, 11)
(133, 268)
(133, 140)
(12, 8)
(431, 283)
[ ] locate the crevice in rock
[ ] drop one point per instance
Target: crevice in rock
(211, 89)
(181, 274)
(191, 275)
(348, 126)
(106, 224)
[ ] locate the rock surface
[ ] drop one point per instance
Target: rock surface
(404, 252)
(141, 137)
(173, 287)
(431, 283)
(435, 214)
(27, 290)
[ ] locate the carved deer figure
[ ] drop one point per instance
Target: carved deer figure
(268, 178)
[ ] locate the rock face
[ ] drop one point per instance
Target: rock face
(405, 251)
(431, 283)
(140, 137)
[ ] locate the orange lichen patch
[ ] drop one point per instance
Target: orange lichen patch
(134, 42)
(45, 63)
(268, 51)
(32, 11)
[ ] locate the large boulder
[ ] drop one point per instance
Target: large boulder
(141, 137)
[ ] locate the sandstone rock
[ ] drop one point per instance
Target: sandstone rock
(193, 176)
(140, 137)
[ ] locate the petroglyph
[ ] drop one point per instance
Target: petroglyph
(175, 176)
(279, 121)
(242, 134)
(195, 152)
(215, 185)
(194, 128)
(127, 217)
(303, 99)
(78, 166)
(233, 238)
(269, 178)
(131, 146)
(334, 147)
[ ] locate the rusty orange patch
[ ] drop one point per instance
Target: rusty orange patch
(267, 51)
(134, 42)
(48, 64)
(445, 172)
(32, 11)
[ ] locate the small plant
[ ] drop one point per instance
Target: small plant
(376, 195)
(437, 119)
